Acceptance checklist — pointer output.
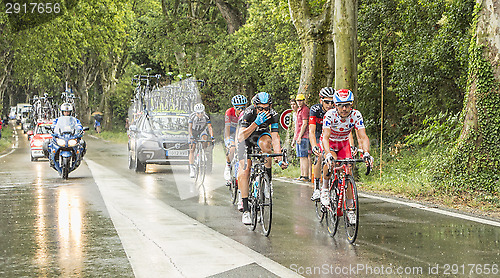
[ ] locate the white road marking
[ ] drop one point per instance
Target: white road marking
(436, 210)
(160, 241)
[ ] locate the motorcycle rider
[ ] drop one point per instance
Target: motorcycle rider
(67, 110)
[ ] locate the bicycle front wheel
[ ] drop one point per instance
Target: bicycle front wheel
(319, 210)
(201, 167)
(233, 186)
(252, 202)
(266, 205)
(351, 214)
(332, 219)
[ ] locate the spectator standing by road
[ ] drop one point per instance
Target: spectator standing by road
(301, 138)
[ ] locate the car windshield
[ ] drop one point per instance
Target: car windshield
(170, 124)
(43, 129)
(65, 124)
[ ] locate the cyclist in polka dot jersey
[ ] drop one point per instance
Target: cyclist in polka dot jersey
(337, 126)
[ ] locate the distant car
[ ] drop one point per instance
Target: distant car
(161, 138)
(42, 133)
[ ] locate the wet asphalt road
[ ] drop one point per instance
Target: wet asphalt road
(50, 227)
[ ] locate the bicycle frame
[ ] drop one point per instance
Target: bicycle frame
(259, 194)
(341, 185)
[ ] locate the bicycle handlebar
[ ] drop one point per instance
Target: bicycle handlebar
(350, 160)
(260, 155)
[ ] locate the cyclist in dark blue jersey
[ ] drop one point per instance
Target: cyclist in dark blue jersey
(316, 114)
(258, 128)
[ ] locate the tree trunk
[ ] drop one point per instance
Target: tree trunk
(109, 82)
(345, 41)
(230, 14)
(315, 34)
(87, 74)
(475, 160)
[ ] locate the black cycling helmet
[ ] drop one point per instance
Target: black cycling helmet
(263, 98)
(326, 92)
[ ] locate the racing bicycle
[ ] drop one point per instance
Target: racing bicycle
(341, 184)
(200, 161)
(261, 192)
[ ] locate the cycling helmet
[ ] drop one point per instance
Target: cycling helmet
(343, 95)
(263, 98)
(66, 107)
(326, 92)
(198, 108)
(239, 100)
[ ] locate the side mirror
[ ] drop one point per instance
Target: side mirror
(133, 128)
(85, 128)
(30, 133)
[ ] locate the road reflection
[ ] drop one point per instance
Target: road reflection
(70, 234)
(69, 213)
(41, 254)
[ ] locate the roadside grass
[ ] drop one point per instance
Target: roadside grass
(6, 140)
(290, 172)
(113, 136)
(407, 173)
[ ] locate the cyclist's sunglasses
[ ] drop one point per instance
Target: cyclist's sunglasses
(260, 108)
(344, 105)
(239, 107)
(328, 101)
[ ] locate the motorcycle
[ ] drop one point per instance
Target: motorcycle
(66, 148)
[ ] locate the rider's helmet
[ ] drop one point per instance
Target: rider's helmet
(199, 108)
(326, 92)
(66, 107)
(263, 98)
(343, 95)
(239, 100)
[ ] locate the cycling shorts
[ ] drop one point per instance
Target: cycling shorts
(250, 143)
(341, 148)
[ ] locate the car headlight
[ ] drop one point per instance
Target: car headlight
(61, 142)
(147, 144)
(37, 143)
(72, 142)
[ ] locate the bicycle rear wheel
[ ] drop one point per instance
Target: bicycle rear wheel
(351, 215)
(265, 205)
(332, 219)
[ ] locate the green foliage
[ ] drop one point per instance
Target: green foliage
(263, 55)
(438, 132)
(425, 61)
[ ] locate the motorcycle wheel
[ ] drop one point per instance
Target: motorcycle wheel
(65, 167)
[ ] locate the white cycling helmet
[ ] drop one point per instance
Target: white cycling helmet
(66, 107)
(199, 108)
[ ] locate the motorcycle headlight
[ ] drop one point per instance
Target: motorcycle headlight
(72, 142)
(61, 142)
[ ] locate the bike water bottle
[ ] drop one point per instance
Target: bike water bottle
(255, 188)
